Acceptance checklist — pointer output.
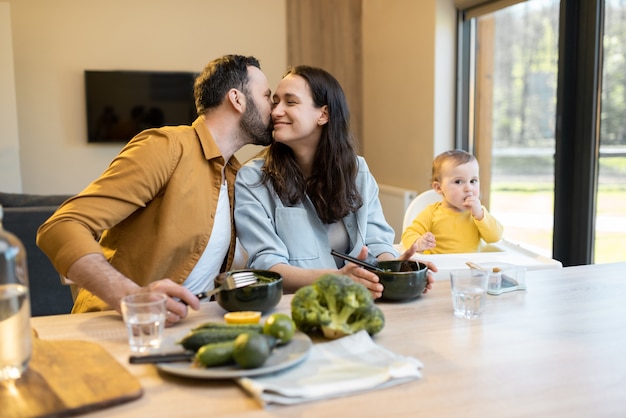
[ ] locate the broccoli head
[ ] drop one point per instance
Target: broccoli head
(337, 306)
(370, 318)
(306, 310)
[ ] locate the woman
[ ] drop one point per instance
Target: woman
(310, 192)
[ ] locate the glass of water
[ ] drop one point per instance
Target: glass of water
(144, 315)
(469, 289)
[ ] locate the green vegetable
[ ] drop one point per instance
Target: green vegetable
(251, 350)
(279, 326)
(224, 326)
(337, 306)
(248, 350)
(215, 354)
(196, 339)
(262, 280)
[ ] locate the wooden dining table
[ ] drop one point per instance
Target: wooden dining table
(556, 349)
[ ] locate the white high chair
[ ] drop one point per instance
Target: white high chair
(501, 251)
(418, 204)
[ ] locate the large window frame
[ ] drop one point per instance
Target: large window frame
(577, 126)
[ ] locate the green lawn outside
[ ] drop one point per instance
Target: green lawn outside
(525, 210)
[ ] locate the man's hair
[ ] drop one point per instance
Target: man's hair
(332, 185)
(219, 76)
(455, 157)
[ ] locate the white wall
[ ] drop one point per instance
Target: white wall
(408, 55)
(10, 175)
(54, 41)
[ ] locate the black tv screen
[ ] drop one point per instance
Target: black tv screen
(121, 104)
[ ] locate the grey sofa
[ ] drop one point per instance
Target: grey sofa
(23, 214)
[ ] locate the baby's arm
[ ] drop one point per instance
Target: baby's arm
(426, 242)
(489, 228)
(418, 232)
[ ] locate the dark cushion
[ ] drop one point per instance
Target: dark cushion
(12, 200)
(48, 296)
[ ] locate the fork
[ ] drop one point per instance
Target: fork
(233, 281)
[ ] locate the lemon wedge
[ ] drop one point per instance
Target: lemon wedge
(242, 317)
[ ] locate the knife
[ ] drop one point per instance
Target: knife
(162, 357)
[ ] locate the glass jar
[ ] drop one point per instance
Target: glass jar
(15, 331)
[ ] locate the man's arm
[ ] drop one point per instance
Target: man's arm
(93, 273)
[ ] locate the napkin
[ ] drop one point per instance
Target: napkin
(348, 365)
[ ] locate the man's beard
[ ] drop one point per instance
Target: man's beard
(252, 125)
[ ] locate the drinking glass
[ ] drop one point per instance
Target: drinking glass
(144, 315)
(469, 289)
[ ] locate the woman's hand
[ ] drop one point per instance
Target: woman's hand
(431, 279)
(360, 275)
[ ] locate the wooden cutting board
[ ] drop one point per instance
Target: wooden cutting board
(67, 378)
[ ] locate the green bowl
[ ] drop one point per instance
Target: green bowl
(262, 296)
(402, 279)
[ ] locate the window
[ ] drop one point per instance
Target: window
(610, 222)
(515, 76)
(510, 60)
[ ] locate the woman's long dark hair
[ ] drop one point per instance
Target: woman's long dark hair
(332, 185)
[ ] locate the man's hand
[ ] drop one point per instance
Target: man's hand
(179, 299)
(93, 273)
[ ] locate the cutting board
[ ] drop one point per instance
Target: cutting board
(67, 378)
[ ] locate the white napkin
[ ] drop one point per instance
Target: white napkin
(332, 369)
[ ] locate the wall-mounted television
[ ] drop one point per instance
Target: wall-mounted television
(121, 104)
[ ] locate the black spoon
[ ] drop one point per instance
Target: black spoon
(357, 261)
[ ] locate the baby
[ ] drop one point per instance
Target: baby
(459, 221)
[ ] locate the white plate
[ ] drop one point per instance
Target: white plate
(282, 357)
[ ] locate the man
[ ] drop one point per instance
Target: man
(160, 216)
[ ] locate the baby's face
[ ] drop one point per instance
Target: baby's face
(458, 183)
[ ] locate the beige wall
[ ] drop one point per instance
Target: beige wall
(10, 176)
(408, 74)
(54, 41)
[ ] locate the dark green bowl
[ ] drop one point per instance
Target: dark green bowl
(402, 279)
(262, 296)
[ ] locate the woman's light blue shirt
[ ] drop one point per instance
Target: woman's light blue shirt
(272, 233)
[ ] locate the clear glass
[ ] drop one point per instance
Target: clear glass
(144, 315)
(469, 290)
(15, 331)
(517, 48)
(610, 225)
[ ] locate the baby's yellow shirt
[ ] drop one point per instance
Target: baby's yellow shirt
(455, 232)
